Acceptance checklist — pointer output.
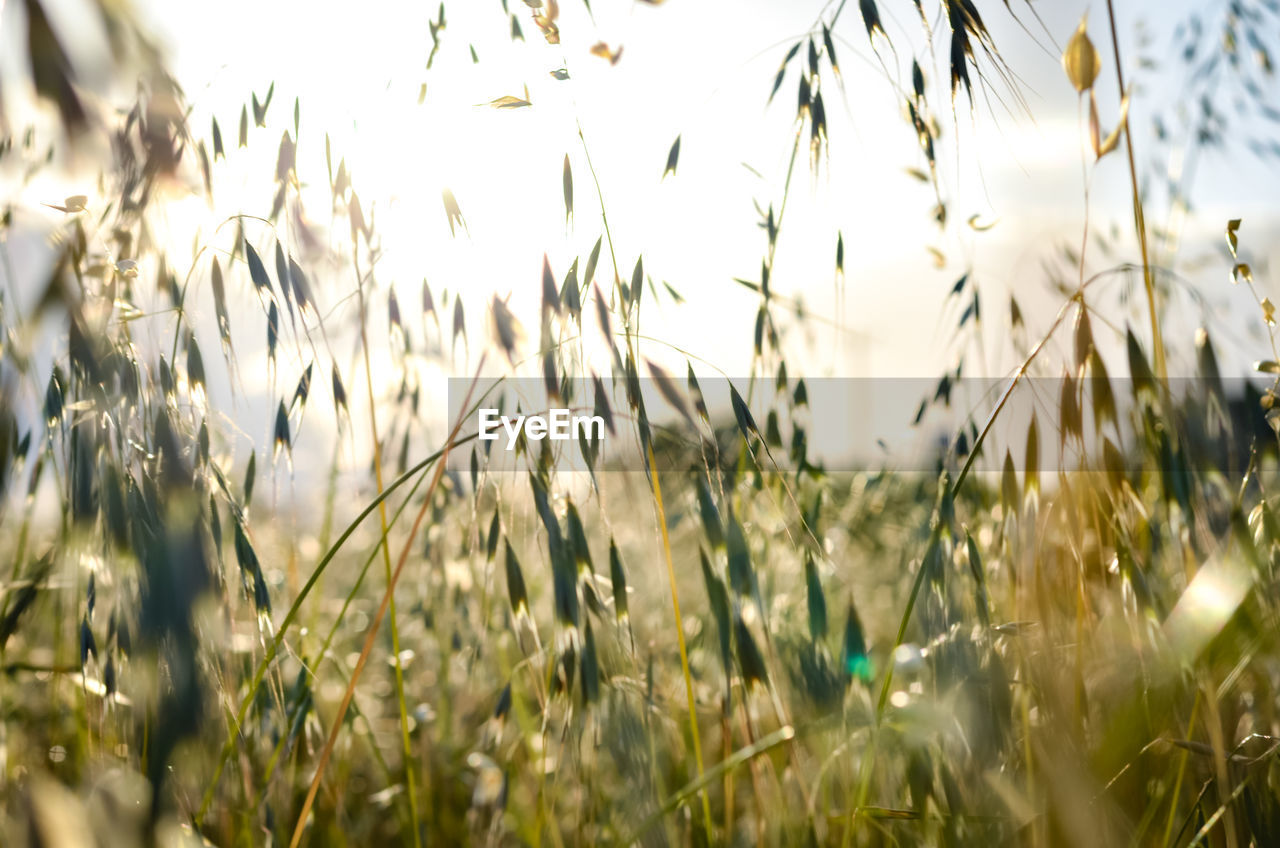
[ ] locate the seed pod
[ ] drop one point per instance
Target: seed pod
(857, 664)
(491, 543)
(516, 591)
(618, 577)
(710, 514)
(817, 601)
(590, 666)
(749, 657)
(88, 646)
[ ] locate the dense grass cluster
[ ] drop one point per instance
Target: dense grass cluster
(1081, 650)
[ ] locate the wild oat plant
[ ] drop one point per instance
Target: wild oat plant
(1063, 635)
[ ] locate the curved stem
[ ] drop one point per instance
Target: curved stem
(371, 638)
(273, 647)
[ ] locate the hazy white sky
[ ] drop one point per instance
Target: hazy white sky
(701, 70)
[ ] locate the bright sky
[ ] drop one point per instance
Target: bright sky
(700, 70)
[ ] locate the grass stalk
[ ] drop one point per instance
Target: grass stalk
(778, 737)
(273, 647)
(1139, 220)
(684, 654)
(327, 751)
(402, 707)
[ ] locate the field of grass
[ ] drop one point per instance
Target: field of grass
(1055, 628)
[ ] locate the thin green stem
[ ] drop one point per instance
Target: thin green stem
(699, 784)
(402, 706)
(273, 647)
(450, 441)
(684, 654)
